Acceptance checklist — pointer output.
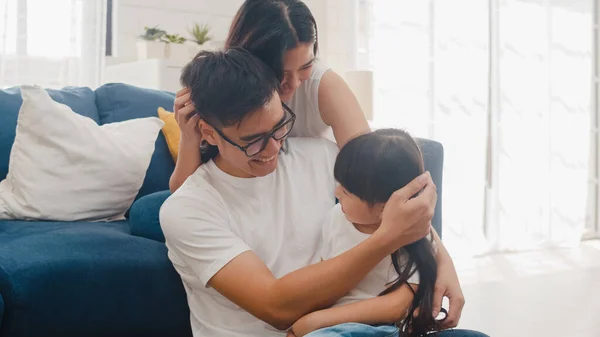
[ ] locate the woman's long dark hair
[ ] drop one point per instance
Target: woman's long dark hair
(372, 167)
(269, 28)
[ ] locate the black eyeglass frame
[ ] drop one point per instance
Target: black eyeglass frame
(265, 138)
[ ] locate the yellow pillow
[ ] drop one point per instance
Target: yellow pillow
(171, 131)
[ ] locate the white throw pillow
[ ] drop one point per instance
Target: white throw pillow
(65, 167)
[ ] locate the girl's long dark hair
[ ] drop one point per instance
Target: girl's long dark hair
(372, 167)
(269, 28)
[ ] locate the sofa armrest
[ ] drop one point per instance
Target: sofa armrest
(433, 156)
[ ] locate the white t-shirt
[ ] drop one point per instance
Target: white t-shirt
(213, 217)
(338, 236)
(305, 104)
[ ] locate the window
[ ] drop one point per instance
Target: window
(505, 86)
(109, 28)
(29, 29)
(8, 25)
(51, 43)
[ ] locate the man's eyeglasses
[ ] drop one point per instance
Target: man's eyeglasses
(278, 133)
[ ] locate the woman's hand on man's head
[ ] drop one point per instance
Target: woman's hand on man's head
(186, 117)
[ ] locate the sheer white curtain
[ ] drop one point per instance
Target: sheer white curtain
(51, 43)
(506, 86)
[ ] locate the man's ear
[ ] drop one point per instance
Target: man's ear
(208, 132)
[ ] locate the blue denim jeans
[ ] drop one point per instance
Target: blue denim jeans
(356, 330)
(363, 330)
(143, 216)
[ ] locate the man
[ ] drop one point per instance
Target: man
(243, 231)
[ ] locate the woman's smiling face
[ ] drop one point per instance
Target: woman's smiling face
(297, 67)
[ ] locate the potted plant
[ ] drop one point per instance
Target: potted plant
(201, 37)
(150, 46)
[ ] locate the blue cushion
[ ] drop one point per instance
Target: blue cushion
(1, 311)
(87, 279)
(433, 157)
(81, 100)
(119, 102)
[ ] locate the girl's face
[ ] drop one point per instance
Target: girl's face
(357, 211)
(297, 67)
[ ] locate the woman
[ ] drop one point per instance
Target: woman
(283, 34)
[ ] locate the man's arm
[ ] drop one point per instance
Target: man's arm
(248, 282)
(447, 285)
(387, 309)
(223, 261)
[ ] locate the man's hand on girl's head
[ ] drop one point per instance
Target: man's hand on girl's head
(405, 219)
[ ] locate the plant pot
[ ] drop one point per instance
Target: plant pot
(177, 52)
(150, 50)
(194, 49)
(214, 45)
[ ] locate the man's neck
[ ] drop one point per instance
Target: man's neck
(226, 167)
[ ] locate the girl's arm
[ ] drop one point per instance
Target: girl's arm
(340, 108)
(188, 159)
(387, 309)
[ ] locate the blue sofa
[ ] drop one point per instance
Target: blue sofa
(89, 279)
(97, 279)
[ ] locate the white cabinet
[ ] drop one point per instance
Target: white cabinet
(159, 74)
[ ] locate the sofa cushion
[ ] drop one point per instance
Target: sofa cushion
(66, 167)
(433, 158)
(171, 131)
(87, 279)
(119, 102)
(1, 311)
(81, 100)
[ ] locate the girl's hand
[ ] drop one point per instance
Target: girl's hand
(186, 117)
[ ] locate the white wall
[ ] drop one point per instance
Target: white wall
(174, 16)
(337, 21)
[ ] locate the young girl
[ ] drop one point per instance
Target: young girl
(369, 169)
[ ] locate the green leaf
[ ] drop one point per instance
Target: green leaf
(200, 33)
(152, 33)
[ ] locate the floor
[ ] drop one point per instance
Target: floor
(553, 293)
